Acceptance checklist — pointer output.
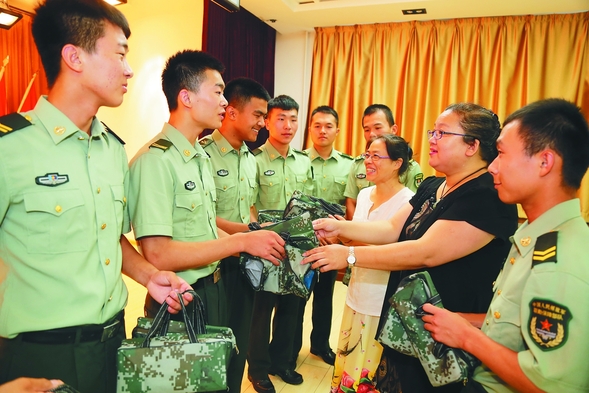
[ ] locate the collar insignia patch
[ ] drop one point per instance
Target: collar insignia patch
(548, 325)
(52, 179)
(189, 185)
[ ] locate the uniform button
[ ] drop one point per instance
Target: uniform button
(58, 209)
(288, 194)
(512, 260)
(498, 292)
(80, 138)
(497, 314)
(103, 226)
(223, 150)
(186, 153)
(241, 179)
(124, 199)
(224, 187)
(59, 130)
(286, 178)
(207, 193)
(88, 155)
(193, 205)
(243, 217)
(242, 198)
(272, 155)
(98, 190)
(270, 183)
(525, 241)
(29, 118)
(325, 189)
(324, 176)
(107, 262)
(487, 321)
(110, 299)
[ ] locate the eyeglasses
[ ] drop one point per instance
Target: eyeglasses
(438, 134)
(375, 157)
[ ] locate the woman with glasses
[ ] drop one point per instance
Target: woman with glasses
(358, 353)
(455, 227)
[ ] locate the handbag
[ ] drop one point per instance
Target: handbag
(404, 332)
(289, 277)
(170, 356)
(317, 207)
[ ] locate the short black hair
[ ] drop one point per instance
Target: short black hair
(328, 111)
(379, 107)
(397, 147)
(186, 70)
(283, 102)
(240, 91)
(483, 124)
(77, 22)
(559, 125)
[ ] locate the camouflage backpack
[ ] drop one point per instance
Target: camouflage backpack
(290, 277)
(403, 331)
(317, 207)
(169, 356)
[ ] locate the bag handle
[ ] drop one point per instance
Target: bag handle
(194, 321)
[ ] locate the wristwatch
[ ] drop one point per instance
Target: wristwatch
(351, 256)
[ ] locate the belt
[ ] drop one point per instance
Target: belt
(211, 279)
(76, 334)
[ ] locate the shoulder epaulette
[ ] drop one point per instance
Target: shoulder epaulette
(545, 249)
(345, 155)
(204, 142)
(257, 151)
(162, 144)
(107, 128)
(300, 152)
(360, 157)
(12, 122)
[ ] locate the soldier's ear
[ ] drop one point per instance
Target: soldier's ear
(184, 97)
(70, 54)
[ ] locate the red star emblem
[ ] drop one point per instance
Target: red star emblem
(546, 325)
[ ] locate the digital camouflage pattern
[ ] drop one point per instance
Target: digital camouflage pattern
(274, 216)
(403, 331)
(317, 207)
(290, 277)
(172, 363)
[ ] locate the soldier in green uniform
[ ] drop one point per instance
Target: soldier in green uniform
(172, 195)
(234, 173)
(376, 121)
(281, 170)
(534, 336)
(63, 209)
(330, 170)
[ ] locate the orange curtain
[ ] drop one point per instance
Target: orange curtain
(24, 61)
(419, 68)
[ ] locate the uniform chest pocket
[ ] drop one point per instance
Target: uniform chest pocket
(304, 184)
(504, 320)
(226, 193)
(57, 222)
(270, 190)
(190, 216)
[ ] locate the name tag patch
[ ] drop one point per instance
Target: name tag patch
(222, 172)
(548, 324)
(52, 179)
(189, 185)
(269, 172)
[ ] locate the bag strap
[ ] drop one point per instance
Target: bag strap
(194, 321)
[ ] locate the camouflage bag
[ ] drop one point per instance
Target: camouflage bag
(290, 277)
(317, 207)
(274, 216)
(404, 332)
(169, 356)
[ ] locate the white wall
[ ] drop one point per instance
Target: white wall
(158, 30)
(293, 73)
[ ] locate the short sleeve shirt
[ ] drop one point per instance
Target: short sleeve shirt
(278, 177)
(330, 175)
(62, 212)
(412, 178)
(173, 194)
(234, 173)
(539, 306)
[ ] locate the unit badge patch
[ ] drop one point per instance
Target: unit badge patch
(222, 172)
(548, 324)
(189, 185)
(361, 176)
(52, 179)
(269, 172)
(418, 179)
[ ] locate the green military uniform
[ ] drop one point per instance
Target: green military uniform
(357, 178)
(234, 172)
(172, 193)
(62, 212)
(278, 178)
(329, 179)
(538, 308)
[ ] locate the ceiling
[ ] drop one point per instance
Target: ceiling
(292, 16)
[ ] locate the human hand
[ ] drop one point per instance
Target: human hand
(29, 385)
(446, 327)
(327, 258)
(265, 244)
(164, 286)
(326, 228)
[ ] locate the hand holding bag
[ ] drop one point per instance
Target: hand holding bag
(176, 357)
(404, 332)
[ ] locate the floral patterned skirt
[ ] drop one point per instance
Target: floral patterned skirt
(358, 353)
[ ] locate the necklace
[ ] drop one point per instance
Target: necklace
(444, 192)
